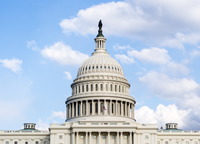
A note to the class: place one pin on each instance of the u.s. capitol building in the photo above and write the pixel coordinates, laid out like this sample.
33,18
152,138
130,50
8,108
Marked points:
100,111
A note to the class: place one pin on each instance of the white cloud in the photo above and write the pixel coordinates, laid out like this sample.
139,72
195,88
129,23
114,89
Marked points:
177,68
42,125
118,47
186,92
32,44
13,64
153,55
68,75
63,54
144,19
180,39
194,53
124,59
58,114
162,115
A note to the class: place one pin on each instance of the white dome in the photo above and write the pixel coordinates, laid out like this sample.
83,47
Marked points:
100,63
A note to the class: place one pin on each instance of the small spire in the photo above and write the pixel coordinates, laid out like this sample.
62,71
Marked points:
100,32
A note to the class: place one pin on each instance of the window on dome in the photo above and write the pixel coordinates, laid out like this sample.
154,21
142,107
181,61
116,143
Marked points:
78,108
119,88
79,89
83,69
101,87
93,67
15,142
118,69
105,67
89,68
86,68
106,87
115,88
115,68
91,87
122,89
111,87
82,88
100,67
96,67
96,87
108,67
86,88
26,142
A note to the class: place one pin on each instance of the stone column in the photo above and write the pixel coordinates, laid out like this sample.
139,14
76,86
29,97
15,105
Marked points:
98,107
81,106
130,138
99,138
125,109
121,138
87,108
108,137
134,138
133,111
76,108
93,109
104,111
110,107
117,137
77,138
116,107
72,109
86,137
67,112
90,142
73,137
70,114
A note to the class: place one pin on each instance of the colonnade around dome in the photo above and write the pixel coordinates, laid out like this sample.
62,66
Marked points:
100,86
100,107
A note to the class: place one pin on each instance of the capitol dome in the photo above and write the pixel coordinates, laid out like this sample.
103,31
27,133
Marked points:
100,91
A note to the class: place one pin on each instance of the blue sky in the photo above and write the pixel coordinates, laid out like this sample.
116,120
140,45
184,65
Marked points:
43,43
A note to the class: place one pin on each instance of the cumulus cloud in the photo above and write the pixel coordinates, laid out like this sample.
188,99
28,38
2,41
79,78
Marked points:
118,47
177,68
195,53
63,54
13,64
32,44
124,59
42,125
58,114
141,19
164,114
186,92
181,39
68,75
153,55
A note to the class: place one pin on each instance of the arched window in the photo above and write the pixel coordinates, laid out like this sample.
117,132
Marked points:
26,142
82,88
106,87
115,88
96,87
111,89
91,87
86,88
96,67
122,89
119,88
101,87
